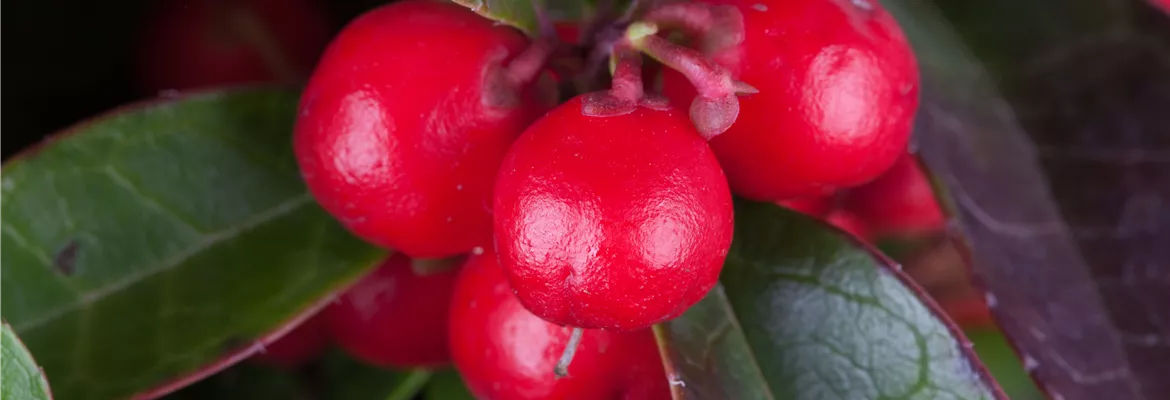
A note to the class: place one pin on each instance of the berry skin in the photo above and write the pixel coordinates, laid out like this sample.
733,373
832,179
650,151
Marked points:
403,125
395,316
968,312
305,342
193,44
838,89
1163,4
504,352
848,222
901,201
614,222
811,206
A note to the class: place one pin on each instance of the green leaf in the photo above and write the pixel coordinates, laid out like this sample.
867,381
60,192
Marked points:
517,13
1005,366
447,385
20,378
145,245
804,312
521,15
1049,134
349,379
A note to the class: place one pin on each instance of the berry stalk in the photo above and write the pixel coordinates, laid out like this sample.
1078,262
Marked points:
562,368
716,107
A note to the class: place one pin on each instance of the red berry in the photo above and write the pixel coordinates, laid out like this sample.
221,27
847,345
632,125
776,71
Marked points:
614,222
838,89
901,201
505,352
969,312
811,206
568,32
192,44
1163,4
404,123
395,316
305,342
848,222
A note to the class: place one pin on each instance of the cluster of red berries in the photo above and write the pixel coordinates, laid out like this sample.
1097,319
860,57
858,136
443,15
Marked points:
435,132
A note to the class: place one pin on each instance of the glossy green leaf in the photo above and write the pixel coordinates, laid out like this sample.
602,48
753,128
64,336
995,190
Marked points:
447,385
517,13
995,352
20,377
1049,134
806,313
521,14
165,239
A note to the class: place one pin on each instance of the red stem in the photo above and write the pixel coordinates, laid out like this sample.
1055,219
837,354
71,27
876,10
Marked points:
627,74
694,19
528,65
710,80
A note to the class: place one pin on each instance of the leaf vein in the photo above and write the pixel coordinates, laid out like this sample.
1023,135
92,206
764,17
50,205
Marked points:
206,242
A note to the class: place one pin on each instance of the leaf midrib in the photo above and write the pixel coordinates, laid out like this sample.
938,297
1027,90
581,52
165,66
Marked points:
207,241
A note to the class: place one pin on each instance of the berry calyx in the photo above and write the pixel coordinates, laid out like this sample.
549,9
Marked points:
397,315
406,119
900,202
297,347
194,44
503,351
838,90
616,222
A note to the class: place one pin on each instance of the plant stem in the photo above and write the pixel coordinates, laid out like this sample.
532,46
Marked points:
562,368
528,65
626,64
709,79
694,19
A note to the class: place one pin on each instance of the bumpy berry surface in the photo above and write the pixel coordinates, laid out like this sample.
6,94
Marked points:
901,201
404,123
305,342
838,88
189,44
504,352
396,316
612,222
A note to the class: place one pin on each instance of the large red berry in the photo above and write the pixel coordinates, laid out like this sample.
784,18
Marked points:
396,316
192,44
504,352
404,123
838,89
901,201
613,222
305,342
